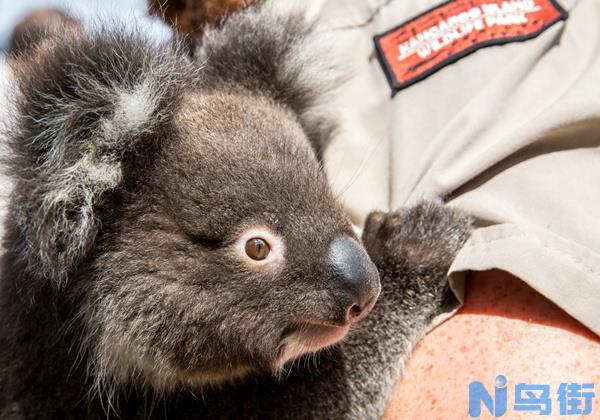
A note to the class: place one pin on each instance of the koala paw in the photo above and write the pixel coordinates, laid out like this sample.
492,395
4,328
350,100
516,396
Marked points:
427,235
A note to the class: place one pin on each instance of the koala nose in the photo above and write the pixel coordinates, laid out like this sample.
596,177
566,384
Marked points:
356,278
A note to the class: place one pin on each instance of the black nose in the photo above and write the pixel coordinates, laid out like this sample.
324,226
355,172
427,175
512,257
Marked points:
356,278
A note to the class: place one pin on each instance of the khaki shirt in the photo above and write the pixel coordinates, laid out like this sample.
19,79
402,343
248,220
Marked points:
509,133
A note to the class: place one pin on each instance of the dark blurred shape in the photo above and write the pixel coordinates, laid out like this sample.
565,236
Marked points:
36,27
190,16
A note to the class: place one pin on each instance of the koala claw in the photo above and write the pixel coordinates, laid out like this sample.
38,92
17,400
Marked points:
425,235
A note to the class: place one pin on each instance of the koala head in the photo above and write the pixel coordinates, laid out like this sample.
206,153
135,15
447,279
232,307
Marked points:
180,206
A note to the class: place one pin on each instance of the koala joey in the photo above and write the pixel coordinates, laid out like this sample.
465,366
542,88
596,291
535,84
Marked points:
173,249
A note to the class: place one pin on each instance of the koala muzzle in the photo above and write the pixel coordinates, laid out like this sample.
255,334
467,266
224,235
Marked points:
356,278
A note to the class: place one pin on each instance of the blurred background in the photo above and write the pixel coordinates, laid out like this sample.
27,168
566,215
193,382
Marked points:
24,22
158,17
87,11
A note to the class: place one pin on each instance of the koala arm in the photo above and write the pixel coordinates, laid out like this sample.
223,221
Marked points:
413,249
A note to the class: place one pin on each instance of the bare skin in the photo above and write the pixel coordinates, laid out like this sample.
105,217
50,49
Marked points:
505,328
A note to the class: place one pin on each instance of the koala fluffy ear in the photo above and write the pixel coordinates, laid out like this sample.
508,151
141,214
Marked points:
273,48
83,104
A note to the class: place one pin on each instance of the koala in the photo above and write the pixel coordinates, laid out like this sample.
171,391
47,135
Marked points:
173,248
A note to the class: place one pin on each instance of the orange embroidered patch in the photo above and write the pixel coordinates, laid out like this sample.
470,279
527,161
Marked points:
425,44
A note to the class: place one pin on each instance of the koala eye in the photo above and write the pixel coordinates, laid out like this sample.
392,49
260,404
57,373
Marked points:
257,249
260,248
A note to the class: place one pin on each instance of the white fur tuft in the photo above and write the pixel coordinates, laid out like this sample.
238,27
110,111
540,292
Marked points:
133,110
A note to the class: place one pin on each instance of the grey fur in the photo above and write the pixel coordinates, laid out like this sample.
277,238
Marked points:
69,135
136,169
